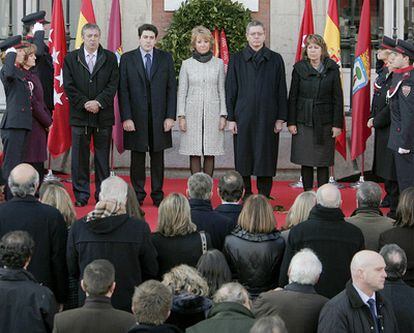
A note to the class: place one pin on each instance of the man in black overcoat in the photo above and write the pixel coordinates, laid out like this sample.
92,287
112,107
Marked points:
148,98
401,99
361,307
396,290
380,119
33,25
256,99
44,223
90,79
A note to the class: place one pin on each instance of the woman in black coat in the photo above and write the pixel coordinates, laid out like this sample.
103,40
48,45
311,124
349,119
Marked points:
254,250
177,240
315,116
16,122
36,147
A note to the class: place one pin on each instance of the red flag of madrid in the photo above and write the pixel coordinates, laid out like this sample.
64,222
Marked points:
306,29
59,139
361,86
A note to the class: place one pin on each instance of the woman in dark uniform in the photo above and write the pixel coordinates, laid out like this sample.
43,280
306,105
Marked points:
36,146
380,119
17,120
315,116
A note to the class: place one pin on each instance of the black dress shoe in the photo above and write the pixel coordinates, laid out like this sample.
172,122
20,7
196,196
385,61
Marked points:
156,203
80,203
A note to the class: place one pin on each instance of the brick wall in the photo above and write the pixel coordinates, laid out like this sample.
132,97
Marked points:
162,19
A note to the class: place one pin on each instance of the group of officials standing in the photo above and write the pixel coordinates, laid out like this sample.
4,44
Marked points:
252,100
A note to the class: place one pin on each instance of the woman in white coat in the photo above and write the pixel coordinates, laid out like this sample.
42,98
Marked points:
201,108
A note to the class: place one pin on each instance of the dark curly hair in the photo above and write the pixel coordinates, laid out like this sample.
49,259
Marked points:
16,247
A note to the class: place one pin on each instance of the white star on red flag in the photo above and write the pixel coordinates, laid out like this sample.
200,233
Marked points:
60,78
57,97
55,55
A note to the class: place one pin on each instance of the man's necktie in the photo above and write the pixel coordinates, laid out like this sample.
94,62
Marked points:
91,64
371,303
148,64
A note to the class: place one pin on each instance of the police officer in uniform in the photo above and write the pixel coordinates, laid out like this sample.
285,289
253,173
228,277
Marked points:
401,99
17,120
380,119
33,26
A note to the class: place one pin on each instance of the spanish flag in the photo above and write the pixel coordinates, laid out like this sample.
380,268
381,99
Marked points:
332,37
86,15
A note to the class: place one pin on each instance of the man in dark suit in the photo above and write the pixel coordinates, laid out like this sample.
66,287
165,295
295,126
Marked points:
332,239
44,223
147,94
396,290
90,78
360,307
25,305
97,315
17,120
199,191
297,303
401,100
230,190
33,26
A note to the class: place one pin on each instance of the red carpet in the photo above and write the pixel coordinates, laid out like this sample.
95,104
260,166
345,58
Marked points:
284,195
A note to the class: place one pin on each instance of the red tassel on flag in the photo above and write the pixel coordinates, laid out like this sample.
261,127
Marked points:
224,49
216,46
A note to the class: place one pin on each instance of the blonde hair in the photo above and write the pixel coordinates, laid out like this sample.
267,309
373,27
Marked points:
184,278
203,32
174,216
58,197
300,209
257,215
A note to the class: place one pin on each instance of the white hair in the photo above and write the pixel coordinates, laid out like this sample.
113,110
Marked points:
114,188
328,196
305,267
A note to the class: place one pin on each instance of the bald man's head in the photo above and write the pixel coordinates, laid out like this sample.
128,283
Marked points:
23,180
328,196
368,271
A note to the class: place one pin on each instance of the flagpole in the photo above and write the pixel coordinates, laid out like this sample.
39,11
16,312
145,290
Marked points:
298,184
50,176
112,172
332,179
361,177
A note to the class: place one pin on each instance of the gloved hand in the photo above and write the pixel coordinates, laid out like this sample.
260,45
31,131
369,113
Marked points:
403,151
38,27
11,49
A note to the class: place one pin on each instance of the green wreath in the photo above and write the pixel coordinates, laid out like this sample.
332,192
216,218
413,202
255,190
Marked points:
233,17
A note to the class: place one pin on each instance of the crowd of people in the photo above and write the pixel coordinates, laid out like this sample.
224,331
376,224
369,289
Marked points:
226,268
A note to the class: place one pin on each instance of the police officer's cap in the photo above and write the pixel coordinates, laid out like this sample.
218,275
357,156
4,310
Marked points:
405,47
32,18
388,43
13,41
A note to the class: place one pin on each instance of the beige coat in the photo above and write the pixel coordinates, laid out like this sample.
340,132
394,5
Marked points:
201,99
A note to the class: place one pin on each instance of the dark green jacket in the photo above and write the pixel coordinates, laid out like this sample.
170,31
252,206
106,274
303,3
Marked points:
225,317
